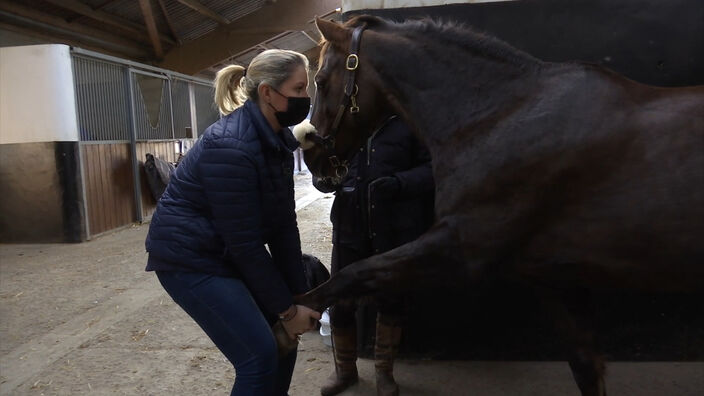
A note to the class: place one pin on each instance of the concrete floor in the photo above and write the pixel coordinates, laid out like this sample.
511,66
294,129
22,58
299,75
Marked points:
86,319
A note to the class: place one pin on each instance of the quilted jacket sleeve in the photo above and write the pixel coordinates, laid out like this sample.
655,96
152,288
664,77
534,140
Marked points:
285,248
229,176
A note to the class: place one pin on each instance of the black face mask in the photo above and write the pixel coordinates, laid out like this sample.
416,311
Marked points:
296,111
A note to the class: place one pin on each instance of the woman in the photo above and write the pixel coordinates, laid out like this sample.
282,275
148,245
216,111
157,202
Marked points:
231,195
384,201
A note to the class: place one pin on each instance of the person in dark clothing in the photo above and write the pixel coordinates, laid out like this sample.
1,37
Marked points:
384,201
231,197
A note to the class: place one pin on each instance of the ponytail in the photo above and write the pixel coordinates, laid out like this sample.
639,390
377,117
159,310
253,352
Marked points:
228,89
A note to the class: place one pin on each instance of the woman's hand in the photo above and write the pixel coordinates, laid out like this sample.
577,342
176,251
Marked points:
302,320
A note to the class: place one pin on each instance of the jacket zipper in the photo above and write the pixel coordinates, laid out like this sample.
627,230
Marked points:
369,186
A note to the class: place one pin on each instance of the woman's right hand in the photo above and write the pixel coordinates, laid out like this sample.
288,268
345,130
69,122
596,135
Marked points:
304,320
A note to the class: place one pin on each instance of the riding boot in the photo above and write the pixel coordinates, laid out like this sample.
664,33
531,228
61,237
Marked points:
344,342
388,337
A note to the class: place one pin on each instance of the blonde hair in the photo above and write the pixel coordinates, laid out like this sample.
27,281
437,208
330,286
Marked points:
272,67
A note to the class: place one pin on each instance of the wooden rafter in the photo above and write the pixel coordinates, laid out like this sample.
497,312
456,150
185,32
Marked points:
257,27
76,29
169,23
204,10
151,26
102,16
316,42
104,4
81,41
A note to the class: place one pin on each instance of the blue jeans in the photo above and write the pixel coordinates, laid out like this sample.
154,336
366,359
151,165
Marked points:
226,311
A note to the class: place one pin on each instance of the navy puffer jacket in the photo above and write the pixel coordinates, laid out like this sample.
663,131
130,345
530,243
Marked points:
230,195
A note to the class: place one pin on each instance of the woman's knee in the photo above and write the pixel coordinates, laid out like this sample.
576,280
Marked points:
261,365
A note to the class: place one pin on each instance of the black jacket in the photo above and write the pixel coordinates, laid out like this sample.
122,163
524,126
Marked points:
231,195
373,221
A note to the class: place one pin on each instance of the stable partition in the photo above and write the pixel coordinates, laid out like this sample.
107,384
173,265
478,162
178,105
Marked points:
75,127
109,190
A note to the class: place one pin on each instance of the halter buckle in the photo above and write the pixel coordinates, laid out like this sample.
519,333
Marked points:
352,62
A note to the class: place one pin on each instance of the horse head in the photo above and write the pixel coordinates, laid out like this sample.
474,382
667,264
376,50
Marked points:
349,103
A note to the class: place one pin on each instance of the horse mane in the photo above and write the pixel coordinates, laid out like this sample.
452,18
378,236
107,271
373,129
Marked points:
451,32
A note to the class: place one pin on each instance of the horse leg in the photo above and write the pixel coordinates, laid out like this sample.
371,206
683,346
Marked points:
574,320
429,261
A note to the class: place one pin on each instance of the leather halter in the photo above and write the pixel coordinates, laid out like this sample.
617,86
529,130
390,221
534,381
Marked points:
351,89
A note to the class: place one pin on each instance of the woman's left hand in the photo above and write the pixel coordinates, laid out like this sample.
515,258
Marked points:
304,320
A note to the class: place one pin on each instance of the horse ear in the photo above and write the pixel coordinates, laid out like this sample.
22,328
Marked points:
331,31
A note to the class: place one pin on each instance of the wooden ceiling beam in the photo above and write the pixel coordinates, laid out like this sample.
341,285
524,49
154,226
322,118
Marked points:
102,16
244,33
56,36
75,29
169,23
104,4
195,5
151,27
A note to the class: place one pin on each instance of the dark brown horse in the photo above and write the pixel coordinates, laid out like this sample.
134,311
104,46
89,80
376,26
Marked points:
561,176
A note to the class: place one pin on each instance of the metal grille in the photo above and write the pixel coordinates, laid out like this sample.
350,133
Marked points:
206,111
101,100
152,107
182,109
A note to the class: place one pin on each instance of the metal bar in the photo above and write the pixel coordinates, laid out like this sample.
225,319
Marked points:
156,140
194,113
133,148
91,142
145,73
171,109
81,165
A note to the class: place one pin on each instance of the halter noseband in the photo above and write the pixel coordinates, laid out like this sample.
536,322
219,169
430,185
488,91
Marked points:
351,90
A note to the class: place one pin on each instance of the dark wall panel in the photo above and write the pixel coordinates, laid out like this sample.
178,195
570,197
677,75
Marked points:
40,199
651,41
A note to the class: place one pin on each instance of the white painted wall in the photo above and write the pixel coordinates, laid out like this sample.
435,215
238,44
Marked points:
351,5
36,94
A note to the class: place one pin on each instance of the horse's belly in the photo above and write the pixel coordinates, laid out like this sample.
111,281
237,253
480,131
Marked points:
608,255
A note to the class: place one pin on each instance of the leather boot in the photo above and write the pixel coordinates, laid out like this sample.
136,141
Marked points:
388,338
344,344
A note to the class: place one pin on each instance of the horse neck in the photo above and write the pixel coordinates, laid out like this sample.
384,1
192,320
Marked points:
465,86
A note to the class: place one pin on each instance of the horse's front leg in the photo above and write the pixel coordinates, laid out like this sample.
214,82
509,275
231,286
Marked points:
574,319
429,261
